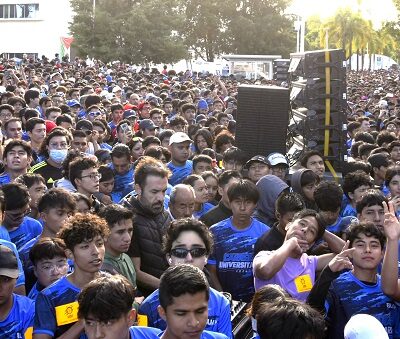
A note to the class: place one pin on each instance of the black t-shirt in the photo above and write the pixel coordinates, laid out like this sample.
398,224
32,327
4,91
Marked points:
271,240
48,172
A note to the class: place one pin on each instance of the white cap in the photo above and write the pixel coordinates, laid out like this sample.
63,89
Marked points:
179,137
364,326
116,89
276,159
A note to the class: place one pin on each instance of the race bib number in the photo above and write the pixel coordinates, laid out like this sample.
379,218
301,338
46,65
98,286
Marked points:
303,283
67,314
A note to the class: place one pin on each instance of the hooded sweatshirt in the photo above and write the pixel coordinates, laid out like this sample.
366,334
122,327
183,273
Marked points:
269,187
296,186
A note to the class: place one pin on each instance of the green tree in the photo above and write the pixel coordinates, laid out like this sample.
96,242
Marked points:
260,27
130,31
314,25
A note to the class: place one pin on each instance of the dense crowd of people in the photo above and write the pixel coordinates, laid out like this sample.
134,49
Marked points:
129,211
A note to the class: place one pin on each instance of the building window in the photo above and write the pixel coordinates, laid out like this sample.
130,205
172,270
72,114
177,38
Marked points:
19,11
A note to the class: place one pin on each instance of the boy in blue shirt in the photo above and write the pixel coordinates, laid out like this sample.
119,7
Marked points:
105,307
20,227
358,290
230,263
184,294
16,312
355,185
180,166
56,306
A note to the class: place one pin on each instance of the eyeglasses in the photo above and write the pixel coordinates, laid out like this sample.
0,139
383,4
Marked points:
92,176
183,252
5,115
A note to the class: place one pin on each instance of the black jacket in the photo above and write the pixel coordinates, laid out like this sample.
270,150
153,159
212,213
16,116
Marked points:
148,231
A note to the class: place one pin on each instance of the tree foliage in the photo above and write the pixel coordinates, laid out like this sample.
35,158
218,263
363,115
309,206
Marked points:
130,31
142,31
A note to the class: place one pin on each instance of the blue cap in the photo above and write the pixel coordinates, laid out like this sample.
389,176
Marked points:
73,102
202,104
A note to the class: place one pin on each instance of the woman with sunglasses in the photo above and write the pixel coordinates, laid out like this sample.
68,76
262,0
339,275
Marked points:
188,241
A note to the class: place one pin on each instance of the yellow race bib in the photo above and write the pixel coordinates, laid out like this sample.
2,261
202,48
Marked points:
67,314
28,333
303,283
142,320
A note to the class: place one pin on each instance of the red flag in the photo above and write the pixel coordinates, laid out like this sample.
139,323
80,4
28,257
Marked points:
67,41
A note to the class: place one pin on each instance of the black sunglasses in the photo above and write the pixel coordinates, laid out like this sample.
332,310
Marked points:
183,252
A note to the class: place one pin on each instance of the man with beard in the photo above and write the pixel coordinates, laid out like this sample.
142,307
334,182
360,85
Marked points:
150,221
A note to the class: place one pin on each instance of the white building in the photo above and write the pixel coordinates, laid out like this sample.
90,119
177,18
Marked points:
34,27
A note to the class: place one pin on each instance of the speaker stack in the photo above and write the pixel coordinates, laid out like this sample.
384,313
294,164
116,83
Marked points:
262,119
319,104
281,69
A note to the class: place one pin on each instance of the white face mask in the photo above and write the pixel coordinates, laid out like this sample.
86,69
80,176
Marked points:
58,155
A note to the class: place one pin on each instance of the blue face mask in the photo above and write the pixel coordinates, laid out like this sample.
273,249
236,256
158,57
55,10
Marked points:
58,155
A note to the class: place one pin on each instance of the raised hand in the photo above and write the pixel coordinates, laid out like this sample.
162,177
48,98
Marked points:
391,224
342,260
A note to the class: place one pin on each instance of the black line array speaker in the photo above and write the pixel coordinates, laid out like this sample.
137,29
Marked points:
262,119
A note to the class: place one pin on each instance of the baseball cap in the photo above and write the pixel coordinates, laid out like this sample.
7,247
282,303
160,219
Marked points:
257,158
276,159
129,113
116,89
73,102
364,326
200,118
8,263
202,104
147,124
179,137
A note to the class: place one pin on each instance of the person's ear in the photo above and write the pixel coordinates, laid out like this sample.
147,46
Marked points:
43,216
277,216
168,259
77,182
220,191
138,189
35,270
162,313
131,317
351,196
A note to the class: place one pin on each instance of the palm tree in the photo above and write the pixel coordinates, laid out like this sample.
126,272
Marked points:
344,28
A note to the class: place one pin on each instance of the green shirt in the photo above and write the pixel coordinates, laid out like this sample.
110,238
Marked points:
122,264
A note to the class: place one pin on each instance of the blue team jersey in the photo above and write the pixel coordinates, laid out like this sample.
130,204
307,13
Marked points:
33,293
29,229
179,172
106,146
349,211
140,332
219,318
19,320
56,308
21,275
348,296
204,209
233,256
341,224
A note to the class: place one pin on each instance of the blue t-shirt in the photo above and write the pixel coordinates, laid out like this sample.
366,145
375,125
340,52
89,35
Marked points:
123,184
208,335
20,318
349,211
141,332
21,275
60,293
30,228
106,146
4,234
341,224
179,172
204,209
233,256
219,318
348,296
4,178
